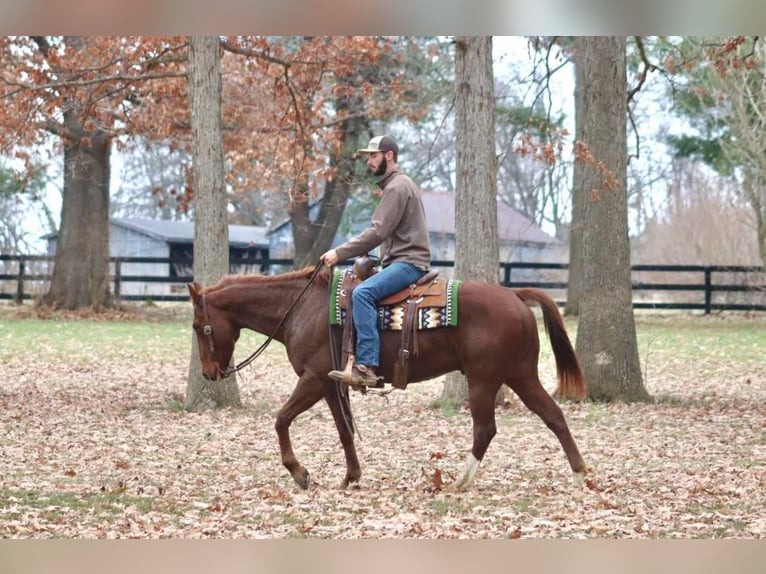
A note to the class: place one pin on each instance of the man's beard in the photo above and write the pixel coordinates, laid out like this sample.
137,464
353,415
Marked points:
381,168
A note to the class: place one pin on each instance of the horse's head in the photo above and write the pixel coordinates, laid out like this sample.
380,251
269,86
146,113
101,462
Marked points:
216,335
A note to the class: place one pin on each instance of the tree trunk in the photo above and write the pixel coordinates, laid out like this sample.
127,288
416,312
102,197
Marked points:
761,231
80,275
606,337
755,192
476,244
311,239
81,268
211,232
575,278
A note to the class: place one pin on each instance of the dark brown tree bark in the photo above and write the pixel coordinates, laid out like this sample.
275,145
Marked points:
476,250
606,337
575,279
211,232
312,238
80,275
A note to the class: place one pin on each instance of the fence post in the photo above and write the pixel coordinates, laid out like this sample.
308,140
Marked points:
507,277
117,274
20,284
708,290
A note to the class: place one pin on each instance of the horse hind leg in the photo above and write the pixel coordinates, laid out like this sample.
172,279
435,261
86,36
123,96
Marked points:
482,404
535,397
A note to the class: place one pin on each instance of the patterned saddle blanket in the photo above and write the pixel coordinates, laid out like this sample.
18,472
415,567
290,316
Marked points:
436,303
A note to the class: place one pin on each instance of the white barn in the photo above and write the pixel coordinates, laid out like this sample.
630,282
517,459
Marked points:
157,238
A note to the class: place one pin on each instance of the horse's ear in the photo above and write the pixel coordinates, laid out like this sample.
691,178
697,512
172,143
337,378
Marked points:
194,289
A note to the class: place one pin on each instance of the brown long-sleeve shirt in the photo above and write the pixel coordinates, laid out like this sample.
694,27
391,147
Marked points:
398,226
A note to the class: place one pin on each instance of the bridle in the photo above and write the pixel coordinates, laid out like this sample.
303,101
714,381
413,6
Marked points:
207,328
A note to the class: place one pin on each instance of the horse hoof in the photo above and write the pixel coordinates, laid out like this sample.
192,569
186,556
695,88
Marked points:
349,479
304,480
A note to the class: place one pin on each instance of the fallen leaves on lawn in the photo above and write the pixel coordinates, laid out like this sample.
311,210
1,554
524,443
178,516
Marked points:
99,449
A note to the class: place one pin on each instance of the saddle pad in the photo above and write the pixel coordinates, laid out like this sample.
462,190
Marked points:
391,317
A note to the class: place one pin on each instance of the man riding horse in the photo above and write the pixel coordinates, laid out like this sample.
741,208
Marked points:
399,226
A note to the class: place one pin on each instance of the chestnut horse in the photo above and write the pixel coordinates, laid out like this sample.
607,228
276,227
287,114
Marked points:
495,342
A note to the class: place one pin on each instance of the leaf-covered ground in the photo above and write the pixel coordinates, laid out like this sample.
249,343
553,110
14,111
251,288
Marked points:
95,445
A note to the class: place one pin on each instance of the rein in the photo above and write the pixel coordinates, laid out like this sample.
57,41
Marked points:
345,405
207,330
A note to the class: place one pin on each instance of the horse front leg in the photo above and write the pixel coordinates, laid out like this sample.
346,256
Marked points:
337,400
306,394
482,404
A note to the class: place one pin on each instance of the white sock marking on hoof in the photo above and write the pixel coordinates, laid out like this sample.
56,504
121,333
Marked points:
465,479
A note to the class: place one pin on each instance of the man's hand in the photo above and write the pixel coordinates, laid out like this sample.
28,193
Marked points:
330,258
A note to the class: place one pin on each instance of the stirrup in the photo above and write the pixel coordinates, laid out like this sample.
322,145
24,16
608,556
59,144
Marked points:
353,380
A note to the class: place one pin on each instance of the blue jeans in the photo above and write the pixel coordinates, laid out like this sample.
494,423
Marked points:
366,295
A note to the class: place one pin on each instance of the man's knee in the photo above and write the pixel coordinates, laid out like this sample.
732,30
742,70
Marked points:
361,294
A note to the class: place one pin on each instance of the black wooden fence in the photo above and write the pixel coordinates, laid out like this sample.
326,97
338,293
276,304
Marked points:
706,288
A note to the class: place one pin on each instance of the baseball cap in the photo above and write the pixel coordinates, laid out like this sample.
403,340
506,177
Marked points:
381,144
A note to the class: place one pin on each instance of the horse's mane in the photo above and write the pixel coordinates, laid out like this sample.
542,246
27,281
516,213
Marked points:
322,278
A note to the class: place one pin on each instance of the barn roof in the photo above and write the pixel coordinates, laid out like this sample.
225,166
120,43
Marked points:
512,226
183,231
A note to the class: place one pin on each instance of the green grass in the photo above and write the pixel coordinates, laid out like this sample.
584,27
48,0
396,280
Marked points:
733,338
450,506
525,506
56,503
729,339
457,506
449,411
84,339
600,414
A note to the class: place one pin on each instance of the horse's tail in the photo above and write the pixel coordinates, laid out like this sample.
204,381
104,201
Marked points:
571,382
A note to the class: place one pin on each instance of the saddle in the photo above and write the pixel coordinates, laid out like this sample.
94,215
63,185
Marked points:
429,290
407,310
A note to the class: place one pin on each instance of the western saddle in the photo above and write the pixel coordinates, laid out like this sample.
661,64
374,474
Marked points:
428,291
